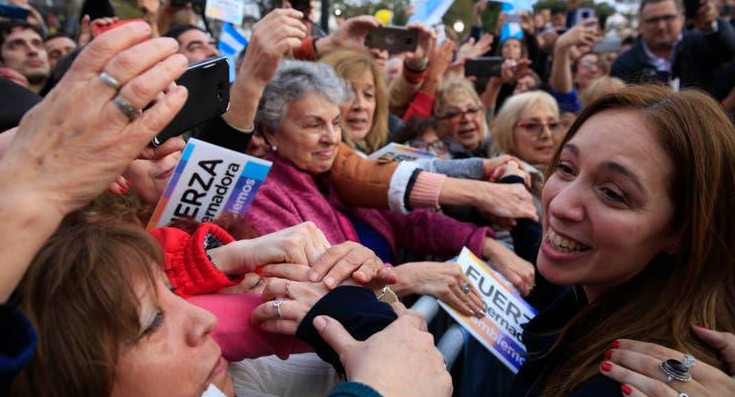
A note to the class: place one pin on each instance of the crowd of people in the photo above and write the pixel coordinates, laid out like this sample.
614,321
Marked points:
599,183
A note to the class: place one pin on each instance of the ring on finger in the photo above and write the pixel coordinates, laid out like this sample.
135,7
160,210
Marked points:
466,287
277,307
676,370
110,81
126,108
683,395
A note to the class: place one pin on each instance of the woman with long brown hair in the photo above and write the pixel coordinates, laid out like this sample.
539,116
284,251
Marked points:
638,218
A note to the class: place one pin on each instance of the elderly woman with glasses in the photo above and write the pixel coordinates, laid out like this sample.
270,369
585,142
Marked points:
299,114
461,119
528,127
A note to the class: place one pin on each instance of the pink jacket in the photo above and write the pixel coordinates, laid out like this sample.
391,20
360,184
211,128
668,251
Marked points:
290,196
234,333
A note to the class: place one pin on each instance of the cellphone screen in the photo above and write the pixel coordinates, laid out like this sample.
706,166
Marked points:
484,67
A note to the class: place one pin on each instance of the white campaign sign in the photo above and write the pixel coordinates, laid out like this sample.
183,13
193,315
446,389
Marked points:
500,330
208,182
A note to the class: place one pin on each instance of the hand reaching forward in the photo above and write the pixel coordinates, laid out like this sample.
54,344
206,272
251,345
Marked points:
400,361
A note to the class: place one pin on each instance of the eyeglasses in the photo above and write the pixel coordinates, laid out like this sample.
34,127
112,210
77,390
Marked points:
538,128
589,65
454,115
436,146
664,18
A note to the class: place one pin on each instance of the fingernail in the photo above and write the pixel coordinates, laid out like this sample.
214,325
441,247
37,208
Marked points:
313,276
606,366
259,271
608,354
329,281
128,183
320,322
615,345
626,390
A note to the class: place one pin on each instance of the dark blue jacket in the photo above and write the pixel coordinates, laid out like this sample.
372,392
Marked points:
17,344
696,59
539,336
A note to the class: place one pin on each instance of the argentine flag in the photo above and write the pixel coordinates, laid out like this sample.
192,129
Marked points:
231,42
512,29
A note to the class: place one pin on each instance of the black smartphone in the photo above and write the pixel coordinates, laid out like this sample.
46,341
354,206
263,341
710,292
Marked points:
393,38
208,83
691,7
302,5
484,67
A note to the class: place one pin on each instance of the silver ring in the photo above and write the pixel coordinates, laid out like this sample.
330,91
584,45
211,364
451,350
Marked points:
126,108
110,81
277,306
675,370
683,395
465,287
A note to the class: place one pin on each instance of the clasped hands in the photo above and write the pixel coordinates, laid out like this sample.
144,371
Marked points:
301,266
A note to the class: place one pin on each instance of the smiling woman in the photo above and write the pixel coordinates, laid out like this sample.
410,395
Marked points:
638,217
461,119
300,117
528,127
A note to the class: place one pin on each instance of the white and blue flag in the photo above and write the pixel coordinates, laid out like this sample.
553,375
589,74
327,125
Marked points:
231,42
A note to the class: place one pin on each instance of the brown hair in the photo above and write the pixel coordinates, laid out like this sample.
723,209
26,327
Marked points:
78,294
694,286
347,63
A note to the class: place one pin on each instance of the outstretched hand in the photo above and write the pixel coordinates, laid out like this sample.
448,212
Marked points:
400,361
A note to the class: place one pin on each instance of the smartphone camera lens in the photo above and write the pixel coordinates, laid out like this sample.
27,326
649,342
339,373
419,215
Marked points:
390,39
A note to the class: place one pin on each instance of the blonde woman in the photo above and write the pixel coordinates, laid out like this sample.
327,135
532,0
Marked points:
461,119
365,118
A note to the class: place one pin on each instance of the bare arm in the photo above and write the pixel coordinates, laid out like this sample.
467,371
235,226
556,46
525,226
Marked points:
58,163
279,31
561,79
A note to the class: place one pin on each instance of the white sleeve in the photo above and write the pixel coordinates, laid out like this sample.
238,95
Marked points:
398,184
